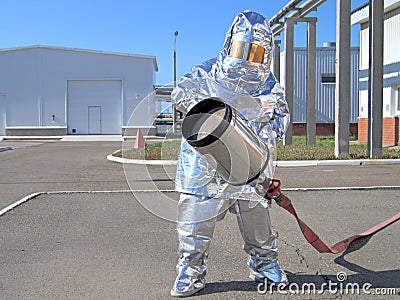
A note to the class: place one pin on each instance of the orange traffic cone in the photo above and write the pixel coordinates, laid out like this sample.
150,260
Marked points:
139,141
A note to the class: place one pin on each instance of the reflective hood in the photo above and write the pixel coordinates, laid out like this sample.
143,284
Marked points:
247,49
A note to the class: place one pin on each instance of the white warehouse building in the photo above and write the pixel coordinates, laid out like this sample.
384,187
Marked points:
391,71
57,91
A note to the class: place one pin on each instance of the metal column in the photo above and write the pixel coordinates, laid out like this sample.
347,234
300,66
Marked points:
277,59
311,80
174,112
343,73
289,74
375,76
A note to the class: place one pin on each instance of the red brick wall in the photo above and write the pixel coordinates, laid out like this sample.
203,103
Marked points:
363,130
390,131
322,128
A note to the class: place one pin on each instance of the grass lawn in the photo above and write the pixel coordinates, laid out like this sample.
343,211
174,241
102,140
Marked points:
324,149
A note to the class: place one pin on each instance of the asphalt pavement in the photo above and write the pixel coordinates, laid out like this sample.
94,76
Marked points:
87,236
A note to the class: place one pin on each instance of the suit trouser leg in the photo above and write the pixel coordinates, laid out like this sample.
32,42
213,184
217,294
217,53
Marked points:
197,216
259,241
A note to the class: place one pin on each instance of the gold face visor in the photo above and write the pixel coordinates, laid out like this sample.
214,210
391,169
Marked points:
255,53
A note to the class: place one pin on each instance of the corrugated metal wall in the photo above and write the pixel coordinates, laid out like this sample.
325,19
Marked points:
391,40
325,93
391,61
392,37
355,60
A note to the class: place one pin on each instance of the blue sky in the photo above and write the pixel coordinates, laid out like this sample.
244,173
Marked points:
145,27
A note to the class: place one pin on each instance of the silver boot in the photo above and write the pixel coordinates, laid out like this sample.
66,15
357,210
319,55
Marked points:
264,269
189,281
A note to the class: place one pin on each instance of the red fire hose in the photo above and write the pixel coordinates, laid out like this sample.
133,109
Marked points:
274,192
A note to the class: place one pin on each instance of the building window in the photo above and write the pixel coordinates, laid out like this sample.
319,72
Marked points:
328,78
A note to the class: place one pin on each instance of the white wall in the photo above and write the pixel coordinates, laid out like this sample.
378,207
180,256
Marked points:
19,81
3,111
391,61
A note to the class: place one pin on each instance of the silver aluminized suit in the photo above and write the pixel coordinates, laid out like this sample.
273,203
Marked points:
253,91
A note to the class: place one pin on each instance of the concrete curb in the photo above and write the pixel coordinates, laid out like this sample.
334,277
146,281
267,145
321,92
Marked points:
353,162
294,163
141,162
31,138
84,138
5,149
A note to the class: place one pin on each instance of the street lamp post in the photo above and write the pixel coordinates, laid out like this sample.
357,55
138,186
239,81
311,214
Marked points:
173,103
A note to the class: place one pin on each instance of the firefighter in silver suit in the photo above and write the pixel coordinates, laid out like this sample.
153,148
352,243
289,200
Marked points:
243,66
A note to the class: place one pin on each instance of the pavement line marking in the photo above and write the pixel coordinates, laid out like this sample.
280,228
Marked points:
23,200
279,163
34,195
343,188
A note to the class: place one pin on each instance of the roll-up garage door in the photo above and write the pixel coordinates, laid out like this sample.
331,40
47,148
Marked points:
94,106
